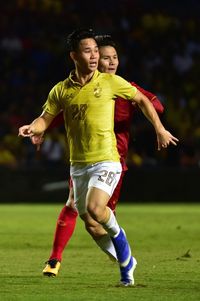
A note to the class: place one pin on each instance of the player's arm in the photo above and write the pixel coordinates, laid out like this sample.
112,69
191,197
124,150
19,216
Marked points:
38,126
164,138
152,97
38,139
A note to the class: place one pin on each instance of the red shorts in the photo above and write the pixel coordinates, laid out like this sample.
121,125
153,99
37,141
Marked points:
115,196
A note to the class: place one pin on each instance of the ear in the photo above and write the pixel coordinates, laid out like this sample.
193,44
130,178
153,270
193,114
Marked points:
72,55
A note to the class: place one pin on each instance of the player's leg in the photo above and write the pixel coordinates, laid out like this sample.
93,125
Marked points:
81,179
102,184
65,226
103,239
64,230
127,263
100,236
102,179
125,276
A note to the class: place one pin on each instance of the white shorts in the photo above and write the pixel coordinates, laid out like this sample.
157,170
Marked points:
102,175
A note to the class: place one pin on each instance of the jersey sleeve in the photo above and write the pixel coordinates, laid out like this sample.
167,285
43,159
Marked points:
52,104
152,97
122,88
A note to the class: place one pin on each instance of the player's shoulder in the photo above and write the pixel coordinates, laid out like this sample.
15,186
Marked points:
111,77
106,75
62,84
59,84
58,89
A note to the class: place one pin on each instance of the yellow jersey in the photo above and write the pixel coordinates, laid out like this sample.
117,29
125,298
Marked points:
89,115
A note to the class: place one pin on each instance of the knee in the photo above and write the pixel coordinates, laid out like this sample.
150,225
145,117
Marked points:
96,212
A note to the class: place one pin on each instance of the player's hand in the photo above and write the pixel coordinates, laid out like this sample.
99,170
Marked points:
165,138
25,131
37,140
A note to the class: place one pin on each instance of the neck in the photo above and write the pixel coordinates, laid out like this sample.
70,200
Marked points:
83,78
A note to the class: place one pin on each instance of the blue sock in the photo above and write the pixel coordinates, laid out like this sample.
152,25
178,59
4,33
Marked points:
122,247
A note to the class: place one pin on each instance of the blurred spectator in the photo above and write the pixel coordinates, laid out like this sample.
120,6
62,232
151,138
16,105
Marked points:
7,159
53,149
159,49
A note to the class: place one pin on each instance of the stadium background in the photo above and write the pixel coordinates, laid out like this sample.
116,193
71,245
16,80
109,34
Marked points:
159,45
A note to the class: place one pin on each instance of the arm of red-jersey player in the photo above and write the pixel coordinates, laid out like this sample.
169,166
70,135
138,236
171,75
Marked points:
152,97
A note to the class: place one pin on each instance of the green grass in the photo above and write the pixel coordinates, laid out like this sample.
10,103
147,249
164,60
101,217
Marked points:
160,236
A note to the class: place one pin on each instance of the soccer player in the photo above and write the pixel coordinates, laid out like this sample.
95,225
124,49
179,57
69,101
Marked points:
124,111
86,98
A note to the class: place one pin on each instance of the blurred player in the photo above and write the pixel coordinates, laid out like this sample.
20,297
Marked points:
93,184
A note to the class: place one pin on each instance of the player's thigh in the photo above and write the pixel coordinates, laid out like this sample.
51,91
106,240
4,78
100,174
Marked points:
96,199
94,184
104,176
80,180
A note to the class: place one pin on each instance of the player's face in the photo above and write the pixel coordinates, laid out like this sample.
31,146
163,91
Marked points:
87,56
108,61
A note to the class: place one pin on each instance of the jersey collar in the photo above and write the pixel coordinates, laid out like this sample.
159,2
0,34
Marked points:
74,82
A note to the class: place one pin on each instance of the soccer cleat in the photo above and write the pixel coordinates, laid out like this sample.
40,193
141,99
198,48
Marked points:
52,268
127,278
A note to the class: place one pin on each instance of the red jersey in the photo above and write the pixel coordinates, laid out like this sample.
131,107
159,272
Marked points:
124,110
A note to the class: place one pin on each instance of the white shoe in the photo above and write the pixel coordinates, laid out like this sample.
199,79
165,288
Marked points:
127,278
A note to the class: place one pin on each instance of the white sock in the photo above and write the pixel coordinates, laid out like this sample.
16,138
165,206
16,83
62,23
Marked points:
106,244
112,226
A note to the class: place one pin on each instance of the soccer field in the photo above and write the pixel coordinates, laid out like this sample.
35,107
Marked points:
165,239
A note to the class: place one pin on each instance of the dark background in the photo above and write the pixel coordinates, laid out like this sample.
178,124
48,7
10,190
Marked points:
159,49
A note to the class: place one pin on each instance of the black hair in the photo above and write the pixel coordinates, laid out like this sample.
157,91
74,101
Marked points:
74,38
105,40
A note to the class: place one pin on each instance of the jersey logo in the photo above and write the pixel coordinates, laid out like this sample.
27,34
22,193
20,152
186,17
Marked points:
78,112
97,90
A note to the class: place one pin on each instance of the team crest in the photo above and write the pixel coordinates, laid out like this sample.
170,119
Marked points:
97,90
68,97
